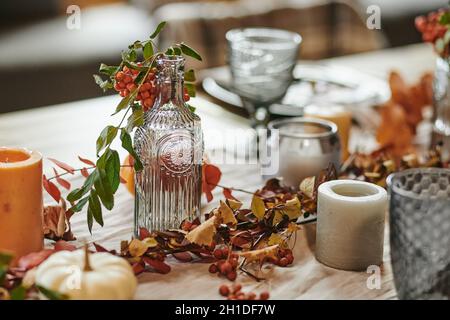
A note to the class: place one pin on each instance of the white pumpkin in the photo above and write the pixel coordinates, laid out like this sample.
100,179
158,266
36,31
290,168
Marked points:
83,276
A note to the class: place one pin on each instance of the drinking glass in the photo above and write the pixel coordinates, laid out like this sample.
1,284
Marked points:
420,232
261,63
305,147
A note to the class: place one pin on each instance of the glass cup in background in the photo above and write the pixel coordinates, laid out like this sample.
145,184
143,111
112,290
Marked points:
420,232
306,147
261,62
337,114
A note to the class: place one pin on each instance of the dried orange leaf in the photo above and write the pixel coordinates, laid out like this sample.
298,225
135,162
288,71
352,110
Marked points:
274,239
226,214
307,186
137,248
277,218
260,254
292,209
234,204
150,242
55,222
203,235
292,227
258,207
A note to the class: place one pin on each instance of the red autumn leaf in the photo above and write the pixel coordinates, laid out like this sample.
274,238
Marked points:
85,172
210,178
34,259
159,266
87,161
62,165
61,245
51,188
138,268
227,194
100,248
143,233
64,183
183,256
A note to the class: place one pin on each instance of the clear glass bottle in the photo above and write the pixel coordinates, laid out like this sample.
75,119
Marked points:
170,145
441,116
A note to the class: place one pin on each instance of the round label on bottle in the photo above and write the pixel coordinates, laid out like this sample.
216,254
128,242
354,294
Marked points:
176,152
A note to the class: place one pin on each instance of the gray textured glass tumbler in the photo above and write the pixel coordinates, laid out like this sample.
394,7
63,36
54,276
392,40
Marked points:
420,232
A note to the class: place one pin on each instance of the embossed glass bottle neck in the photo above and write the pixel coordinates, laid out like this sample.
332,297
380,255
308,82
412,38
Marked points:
170,81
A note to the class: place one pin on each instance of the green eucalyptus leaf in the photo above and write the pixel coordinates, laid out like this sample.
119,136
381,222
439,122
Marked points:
444,19
104,84
108,70
3,271
128,145
90,220
190,87
136,45
148,50
134,66
191,108
104,190
79,205
177,51
95,208
125,102
136,119
158,29
189,75
110,162
76,194
106,137
190,52
132,55
170,51
18,293
51,294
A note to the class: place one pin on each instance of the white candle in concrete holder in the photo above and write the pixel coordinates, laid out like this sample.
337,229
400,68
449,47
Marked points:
350,224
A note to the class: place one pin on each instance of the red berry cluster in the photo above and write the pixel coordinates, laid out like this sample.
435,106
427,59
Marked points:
283,258
430,27
226,264
126,83
234,293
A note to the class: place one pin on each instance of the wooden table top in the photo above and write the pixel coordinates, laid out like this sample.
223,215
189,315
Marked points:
70,129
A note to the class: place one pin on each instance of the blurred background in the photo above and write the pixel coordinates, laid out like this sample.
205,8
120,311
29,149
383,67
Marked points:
42,62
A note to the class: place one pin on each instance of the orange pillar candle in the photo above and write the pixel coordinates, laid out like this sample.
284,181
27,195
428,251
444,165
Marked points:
337,114
20,201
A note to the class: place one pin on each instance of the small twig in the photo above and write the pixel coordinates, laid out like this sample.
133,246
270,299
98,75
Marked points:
251,274
87,264
87,168
306,221
235,189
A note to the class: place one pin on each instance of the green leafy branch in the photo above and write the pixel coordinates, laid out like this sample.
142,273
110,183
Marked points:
98,189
